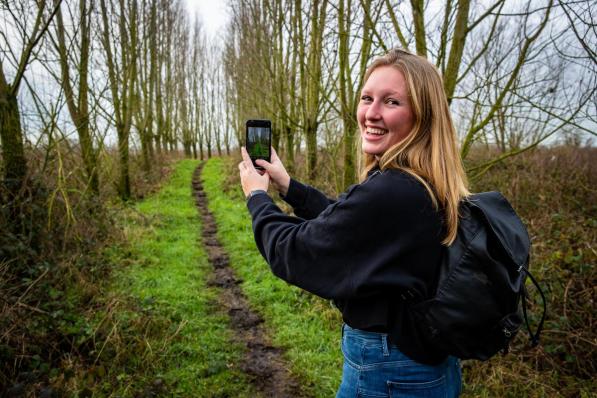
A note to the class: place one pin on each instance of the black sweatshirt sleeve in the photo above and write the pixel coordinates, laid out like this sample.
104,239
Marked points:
357,246
306,201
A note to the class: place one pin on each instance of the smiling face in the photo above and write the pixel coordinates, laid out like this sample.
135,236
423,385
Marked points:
384,113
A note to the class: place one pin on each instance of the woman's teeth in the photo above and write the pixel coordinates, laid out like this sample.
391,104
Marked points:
376,131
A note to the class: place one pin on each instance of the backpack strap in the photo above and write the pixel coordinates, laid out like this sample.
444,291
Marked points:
524,295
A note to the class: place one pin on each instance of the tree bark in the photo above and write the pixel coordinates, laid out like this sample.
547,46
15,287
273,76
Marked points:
13,150
79,108
456,49
418,9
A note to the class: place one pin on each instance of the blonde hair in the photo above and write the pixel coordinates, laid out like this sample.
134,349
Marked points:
429,152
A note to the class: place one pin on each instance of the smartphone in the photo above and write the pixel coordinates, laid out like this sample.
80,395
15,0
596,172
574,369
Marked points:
259,140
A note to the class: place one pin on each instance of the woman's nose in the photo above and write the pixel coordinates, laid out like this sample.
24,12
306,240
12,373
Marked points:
373,111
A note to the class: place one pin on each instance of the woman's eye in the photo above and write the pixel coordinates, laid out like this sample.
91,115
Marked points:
392,101
365,98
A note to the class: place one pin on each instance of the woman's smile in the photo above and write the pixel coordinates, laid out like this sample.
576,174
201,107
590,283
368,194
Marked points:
376,131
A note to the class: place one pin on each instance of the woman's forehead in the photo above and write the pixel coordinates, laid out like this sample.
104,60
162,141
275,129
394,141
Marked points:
385,87
383,90
386,76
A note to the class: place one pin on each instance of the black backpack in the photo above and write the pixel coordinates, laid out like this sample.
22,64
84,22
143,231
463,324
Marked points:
475,310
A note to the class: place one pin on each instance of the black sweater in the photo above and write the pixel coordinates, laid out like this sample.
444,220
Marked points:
376,245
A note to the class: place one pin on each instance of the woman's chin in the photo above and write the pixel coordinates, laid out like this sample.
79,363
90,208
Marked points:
369,149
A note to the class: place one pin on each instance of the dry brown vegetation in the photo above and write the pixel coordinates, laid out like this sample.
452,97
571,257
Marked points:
554,191
51,269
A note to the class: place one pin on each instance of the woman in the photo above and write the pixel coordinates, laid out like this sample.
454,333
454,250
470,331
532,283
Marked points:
378,247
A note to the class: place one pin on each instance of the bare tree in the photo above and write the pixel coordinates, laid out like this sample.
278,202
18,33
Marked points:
351,73
77,102
145,82
121,60
311,81
11,134
197,87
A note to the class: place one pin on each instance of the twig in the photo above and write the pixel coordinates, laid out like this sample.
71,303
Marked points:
31,285
170,338
32,308
566,297
570,333
105,342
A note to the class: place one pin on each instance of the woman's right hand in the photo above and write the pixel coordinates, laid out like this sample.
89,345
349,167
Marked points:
277,173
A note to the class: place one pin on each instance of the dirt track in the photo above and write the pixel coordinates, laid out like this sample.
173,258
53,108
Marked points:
262,362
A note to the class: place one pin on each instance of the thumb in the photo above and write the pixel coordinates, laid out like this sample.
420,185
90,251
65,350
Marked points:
274,155
246,157
264,163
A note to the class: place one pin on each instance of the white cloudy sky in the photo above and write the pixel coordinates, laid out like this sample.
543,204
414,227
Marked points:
212,12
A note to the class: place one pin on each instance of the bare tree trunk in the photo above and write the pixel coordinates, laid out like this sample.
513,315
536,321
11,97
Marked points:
313,87
418,9
13,150
121,78
456,48
145,84
11,134
79,108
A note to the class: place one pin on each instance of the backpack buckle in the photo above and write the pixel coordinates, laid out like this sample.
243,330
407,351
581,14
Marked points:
407,295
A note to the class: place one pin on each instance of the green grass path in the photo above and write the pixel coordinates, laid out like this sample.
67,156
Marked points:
306,326
186,342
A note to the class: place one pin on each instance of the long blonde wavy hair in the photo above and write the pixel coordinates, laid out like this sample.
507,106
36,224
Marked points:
429,152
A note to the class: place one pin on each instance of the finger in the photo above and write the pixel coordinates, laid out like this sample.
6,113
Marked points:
274,154
263,163
245,155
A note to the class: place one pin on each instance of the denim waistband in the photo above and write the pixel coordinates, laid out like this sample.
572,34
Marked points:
371,339
368,337
364,334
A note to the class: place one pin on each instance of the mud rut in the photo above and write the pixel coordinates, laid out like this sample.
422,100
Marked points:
263,363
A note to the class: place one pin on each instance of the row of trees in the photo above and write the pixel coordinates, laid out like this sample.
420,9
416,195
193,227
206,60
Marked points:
133,74
139,75
515,73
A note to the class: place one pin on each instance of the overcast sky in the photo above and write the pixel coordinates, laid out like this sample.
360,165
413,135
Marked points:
212,12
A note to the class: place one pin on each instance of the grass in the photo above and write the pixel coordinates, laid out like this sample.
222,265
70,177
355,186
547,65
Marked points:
306,326
160,331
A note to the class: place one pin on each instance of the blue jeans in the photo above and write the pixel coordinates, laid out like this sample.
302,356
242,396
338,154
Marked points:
374,368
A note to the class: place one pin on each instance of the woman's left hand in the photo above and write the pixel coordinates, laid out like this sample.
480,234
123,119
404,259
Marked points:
250,178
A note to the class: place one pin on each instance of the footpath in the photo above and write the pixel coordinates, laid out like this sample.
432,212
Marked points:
168,335
191,309
306,327
262,361
178,323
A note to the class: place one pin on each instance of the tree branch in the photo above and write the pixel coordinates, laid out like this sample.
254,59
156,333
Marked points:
29,48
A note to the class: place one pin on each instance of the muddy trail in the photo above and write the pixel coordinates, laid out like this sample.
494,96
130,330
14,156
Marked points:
262,362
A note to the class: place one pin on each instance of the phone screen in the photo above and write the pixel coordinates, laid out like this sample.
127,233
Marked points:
259,135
